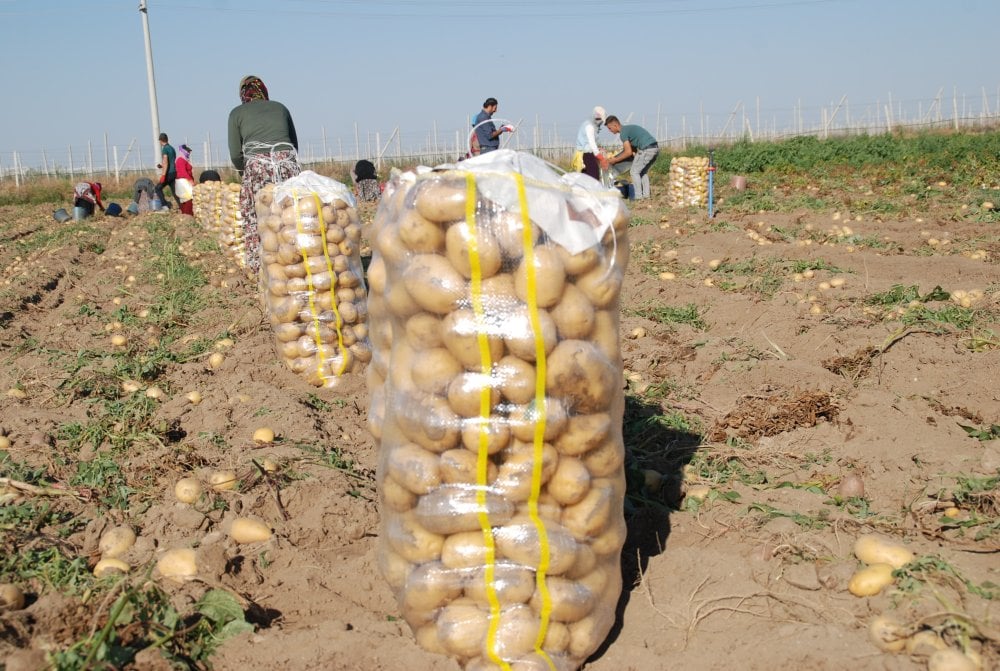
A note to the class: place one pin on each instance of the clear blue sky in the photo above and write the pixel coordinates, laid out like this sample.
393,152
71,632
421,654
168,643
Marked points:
74,70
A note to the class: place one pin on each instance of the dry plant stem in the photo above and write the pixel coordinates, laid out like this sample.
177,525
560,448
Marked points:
275,492
39,491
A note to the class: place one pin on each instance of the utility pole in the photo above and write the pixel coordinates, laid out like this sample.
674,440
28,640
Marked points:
153,110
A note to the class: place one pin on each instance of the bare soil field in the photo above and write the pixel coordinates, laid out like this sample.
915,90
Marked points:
794,378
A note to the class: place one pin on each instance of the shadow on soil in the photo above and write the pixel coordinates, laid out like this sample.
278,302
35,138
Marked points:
650,443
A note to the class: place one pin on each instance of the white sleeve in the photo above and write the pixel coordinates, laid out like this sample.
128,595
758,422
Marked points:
592,138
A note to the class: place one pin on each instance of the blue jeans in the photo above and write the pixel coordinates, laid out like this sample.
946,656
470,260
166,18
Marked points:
638,168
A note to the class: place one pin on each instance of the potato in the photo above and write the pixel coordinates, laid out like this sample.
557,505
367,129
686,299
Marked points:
399,301
570,482
451,509
433,283
512,583
582,262
423,331
464,550
465,393
870,580
460,332
441,200
524,418
581,373
413,467
434,370
462,628
11,597
488,433
514,479
427,638
587,634
414,543
249,530
605,460
459,245
570,600
430,586
573,315
601,286
178,565
459,466
393,568
223,481
583,433
923,643
522,334
116,541
611,541
397,497
592,515
951,660
605,334
110,566
518,541
516,632
428,421
419,234
549,277
876,549
516,379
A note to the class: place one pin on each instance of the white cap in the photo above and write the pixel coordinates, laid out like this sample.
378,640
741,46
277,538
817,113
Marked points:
600,114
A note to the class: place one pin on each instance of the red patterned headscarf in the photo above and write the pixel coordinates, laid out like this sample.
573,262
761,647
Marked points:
252,88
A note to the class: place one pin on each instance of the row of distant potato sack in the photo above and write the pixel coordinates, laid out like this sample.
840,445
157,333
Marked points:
312,278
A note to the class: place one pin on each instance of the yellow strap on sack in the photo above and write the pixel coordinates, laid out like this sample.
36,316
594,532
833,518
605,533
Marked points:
541,414
311,291
485,410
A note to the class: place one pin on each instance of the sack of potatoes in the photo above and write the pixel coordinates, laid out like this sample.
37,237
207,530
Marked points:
497,402
230,227
312,277
688,182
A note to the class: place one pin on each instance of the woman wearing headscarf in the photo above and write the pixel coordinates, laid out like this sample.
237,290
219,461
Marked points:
262,146
184,184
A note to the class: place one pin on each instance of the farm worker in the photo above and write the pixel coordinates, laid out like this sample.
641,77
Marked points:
262,146
366,181
87,195
588,157
637,156
168,166
184,185
143,192
486,132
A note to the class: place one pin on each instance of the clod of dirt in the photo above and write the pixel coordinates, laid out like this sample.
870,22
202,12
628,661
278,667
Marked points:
853,366
759,416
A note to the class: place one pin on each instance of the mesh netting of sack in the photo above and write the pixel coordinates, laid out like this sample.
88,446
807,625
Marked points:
496,398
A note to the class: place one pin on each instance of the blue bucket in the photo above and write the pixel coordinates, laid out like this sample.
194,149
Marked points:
61,215
79,213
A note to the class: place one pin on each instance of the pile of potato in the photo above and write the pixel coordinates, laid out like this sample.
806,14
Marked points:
496,389
312,277
688,182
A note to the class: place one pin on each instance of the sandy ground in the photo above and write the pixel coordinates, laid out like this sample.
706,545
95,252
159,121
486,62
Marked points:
772,407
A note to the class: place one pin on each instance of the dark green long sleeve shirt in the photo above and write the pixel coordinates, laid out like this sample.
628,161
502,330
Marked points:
264,121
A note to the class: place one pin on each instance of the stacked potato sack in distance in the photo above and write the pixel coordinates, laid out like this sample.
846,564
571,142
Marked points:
231,224
312,276
688,182
497,399
204,197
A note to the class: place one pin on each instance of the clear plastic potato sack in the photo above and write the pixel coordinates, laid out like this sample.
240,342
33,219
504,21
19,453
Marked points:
312,277
497,400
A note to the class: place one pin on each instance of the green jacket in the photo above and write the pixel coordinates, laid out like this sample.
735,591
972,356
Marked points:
264,121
